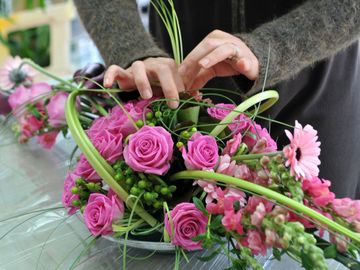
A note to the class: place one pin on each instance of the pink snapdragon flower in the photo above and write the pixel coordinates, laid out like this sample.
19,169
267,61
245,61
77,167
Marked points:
149,150
56,109
101,211
303,152
232,221
47,140
225,199
254,133
233,144
255,241
201,153
11,75
186,223
347,208
318,190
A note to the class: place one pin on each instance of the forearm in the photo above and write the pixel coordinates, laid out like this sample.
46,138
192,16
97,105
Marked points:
117,31
313,31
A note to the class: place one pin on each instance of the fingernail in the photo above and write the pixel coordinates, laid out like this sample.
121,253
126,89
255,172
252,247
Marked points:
106,82
173,104
204,62
147,94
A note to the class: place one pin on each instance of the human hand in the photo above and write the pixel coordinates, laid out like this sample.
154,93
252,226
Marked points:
219,54
142,74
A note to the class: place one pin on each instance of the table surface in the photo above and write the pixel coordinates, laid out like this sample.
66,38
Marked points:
31,179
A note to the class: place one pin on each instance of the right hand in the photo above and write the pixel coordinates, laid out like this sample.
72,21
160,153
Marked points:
141,75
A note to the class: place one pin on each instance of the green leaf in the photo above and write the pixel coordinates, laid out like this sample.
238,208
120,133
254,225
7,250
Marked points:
189,114
36,113
211,256
330,252
305,261
277,254
216,222
199,205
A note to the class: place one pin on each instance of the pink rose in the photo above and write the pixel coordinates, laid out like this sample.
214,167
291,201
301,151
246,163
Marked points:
68,197
101,211
202,152
347,208
119,121
85,170
149,150
109,145
97,126
56,109
188,222
47,140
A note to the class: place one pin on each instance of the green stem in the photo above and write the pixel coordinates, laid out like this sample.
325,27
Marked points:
271,96
270,194
105,171
255,156
45,72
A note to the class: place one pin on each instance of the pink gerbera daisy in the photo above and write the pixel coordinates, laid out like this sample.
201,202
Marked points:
303,152
11,75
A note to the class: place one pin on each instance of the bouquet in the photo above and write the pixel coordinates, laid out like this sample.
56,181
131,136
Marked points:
202,176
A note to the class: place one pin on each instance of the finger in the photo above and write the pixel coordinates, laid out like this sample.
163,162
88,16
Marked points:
201,79
168,85
141,79
222,53
248,67
124,77
190,66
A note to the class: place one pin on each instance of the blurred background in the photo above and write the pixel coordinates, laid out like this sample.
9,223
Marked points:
50,33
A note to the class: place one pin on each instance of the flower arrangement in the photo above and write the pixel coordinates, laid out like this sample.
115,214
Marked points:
203,176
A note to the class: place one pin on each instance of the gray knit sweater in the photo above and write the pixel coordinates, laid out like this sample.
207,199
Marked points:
311,32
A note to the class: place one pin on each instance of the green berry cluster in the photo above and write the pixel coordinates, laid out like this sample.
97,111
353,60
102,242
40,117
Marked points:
151,120
83,189
162,112
280,177
153,189
292,237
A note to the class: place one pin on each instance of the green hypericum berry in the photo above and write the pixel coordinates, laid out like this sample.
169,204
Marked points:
91,186
158,114
79,181
74,190
164,191
186,134
139,123
149,115
157,188
76,203
157,205
128,171
193,129
148,196
172,188
118,177
134,191
142,184
129,181
179,144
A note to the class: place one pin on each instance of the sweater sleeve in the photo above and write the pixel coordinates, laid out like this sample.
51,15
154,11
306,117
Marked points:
313,31
117,30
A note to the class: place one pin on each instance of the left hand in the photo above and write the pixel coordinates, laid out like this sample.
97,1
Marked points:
219,54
